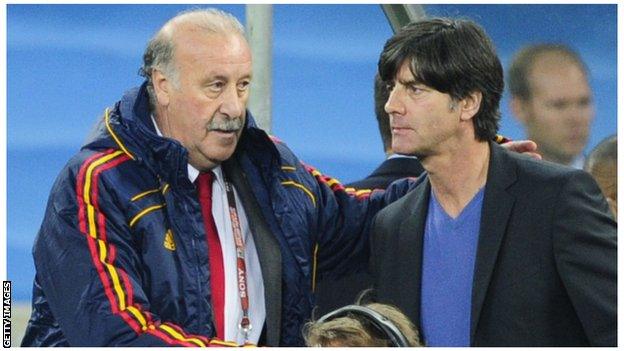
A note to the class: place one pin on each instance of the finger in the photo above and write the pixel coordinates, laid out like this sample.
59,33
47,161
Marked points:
526,146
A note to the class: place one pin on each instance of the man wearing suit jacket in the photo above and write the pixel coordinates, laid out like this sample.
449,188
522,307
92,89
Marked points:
491,248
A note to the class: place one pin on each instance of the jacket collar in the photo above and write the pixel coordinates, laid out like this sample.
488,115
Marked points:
497,205
411,234
128,126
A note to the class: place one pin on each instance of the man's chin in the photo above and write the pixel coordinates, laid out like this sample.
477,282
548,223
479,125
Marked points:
407,151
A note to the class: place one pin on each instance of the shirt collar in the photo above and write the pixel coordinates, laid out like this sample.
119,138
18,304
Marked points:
193,172
401,156
578,162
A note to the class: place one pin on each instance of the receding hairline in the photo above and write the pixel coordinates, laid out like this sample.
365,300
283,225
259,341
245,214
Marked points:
562,57
520,74
211,20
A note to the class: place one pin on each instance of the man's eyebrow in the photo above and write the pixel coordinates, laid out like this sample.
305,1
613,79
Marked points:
410,81
213,77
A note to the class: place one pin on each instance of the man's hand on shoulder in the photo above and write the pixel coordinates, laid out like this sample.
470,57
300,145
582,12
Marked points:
527,147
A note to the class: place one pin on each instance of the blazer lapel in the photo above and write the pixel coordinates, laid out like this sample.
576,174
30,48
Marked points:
497,206
269,252
409,250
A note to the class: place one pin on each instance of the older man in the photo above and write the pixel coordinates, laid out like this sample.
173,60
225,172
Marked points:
490,248
180,222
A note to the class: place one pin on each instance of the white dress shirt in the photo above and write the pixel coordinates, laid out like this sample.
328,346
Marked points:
255,284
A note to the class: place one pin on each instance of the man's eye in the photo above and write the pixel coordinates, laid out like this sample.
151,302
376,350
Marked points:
216,86
558,104
389,86
584,102
415,89
244,85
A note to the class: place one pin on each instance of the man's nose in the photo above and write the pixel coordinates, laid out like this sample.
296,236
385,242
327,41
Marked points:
233,104
394,105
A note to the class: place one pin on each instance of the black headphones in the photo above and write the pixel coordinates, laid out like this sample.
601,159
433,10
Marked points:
381,323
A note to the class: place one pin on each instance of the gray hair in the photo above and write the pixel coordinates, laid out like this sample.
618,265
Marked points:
159,53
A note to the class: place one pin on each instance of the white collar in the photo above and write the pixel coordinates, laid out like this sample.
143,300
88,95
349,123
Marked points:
578,162
401,156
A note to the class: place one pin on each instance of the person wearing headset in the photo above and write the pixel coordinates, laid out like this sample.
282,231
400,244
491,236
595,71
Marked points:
372,325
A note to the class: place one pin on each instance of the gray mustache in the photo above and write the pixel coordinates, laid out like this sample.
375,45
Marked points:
225,125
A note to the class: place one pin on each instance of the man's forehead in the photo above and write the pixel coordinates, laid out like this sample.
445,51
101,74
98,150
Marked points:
404,74
223,48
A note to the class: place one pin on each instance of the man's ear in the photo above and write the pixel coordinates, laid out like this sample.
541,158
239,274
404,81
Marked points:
470,105
162,87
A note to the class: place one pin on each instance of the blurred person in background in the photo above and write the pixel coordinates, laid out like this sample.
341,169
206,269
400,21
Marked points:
601,163
552,99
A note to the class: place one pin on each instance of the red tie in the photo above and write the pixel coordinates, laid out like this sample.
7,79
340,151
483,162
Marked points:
217,280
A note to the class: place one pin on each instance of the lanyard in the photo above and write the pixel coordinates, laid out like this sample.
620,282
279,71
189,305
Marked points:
241,269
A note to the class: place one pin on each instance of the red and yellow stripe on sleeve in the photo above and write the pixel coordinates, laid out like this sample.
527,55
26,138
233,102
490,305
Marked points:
335,185
117,286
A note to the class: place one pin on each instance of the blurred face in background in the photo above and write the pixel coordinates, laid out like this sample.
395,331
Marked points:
560,109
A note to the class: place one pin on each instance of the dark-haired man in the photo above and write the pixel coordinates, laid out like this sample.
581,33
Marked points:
490,248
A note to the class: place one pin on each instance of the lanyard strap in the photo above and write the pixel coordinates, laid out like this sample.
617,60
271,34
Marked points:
241,269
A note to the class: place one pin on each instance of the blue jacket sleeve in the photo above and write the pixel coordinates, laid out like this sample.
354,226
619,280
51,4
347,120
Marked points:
345,216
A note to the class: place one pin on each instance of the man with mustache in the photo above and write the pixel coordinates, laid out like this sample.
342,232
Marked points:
182,223
490,248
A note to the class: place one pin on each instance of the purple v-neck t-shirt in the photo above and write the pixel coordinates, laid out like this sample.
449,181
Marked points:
449,252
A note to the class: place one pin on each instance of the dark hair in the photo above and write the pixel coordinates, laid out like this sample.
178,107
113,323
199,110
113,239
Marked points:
523,60
454,57
381,97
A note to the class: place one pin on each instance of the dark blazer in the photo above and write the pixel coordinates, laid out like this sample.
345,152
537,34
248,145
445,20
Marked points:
545,270
332,293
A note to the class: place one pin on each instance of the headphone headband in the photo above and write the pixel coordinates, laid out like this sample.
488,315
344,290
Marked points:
397,339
